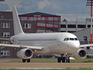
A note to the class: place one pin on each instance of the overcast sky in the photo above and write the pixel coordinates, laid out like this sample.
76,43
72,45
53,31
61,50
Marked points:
71,10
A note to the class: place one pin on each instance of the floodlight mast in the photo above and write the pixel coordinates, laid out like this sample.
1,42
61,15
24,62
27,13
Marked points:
90,3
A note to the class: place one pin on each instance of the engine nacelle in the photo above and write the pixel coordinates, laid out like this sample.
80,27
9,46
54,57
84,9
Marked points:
25,53
80,54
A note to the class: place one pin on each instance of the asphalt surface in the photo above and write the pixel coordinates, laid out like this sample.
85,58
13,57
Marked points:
4,63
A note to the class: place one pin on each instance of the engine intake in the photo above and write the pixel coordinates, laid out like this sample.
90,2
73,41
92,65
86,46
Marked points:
25,53
80,54
28,53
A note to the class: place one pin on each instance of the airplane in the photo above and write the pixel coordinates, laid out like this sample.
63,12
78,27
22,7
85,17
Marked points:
62,43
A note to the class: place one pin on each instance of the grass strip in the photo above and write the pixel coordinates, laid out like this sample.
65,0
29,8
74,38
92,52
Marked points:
55,60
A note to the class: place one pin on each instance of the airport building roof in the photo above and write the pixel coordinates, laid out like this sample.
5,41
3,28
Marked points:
38,14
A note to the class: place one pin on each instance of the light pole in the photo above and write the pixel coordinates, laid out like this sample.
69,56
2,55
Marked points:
90,3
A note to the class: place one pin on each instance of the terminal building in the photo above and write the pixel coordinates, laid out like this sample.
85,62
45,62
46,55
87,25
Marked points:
36,22
80,29
71,27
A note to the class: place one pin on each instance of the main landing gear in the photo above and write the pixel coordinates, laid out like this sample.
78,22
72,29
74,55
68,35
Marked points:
64,59
24,60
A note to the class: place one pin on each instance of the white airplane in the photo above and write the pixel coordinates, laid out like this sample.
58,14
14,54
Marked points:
43,43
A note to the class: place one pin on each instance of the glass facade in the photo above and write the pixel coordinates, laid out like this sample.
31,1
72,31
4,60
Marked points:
39,18
44,23
49,30
43,18
31,18
50,18
23,18
41,30
56,18
56,24
41,24
49,24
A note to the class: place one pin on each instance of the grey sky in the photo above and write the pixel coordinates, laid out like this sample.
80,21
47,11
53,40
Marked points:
71,10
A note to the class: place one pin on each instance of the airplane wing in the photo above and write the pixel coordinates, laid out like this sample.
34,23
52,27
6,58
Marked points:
22,46
7,39
90,54
86,45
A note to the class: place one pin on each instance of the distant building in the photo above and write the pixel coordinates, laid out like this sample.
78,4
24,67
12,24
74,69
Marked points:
71,27
80,29
44,22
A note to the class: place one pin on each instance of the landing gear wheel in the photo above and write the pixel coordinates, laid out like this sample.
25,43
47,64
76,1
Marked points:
63,59
59,59
23,60
68,60
28,60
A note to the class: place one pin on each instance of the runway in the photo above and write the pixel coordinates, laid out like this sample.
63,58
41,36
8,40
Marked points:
45,65
6,64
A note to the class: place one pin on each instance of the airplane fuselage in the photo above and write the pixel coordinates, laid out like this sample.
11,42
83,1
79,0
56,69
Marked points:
53,43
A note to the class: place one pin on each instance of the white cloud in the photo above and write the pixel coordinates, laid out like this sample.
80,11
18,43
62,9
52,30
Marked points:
48,6
74,17
43,4
11,3
27,8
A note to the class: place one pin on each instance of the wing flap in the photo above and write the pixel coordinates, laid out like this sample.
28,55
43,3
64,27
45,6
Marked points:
22,46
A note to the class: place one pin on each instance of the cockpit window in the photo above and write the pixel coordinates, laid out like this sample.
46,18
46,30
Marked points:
76,39
70,39
65,39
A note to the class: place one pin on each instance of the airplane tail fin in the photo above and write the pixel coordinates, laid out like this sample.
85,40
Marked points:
86,39
16,21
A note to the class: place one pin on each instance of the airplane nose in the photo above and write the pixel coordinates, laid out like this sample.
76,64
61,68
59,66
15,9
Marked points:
76,45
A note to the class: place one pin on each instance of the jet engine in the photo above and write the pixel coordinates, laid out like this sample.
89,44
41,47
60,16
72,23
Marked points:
80,54
25,53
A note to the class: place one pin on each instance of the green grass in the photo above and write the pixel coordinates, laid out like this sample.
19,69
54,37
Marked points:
37,60
55,60
52,69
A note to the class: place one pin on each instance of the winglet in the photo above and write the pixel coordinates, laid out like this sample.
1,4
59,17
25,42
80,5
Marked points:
16,21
